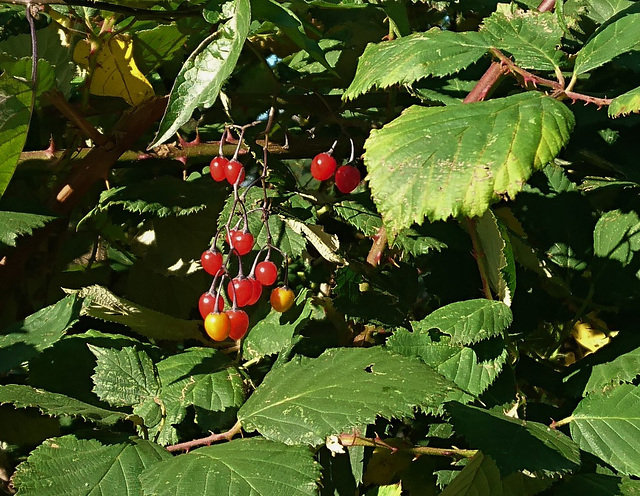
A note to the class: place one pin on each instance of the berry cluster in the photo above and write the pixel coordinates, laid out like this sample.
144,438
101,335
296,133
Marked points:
241,291
324,166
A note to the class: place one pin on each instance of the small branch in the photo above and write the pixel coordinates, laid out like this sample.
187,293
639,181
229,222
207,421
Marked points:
487,83
348,440
61,103
207,441
480,257
546,5
560,423
377,248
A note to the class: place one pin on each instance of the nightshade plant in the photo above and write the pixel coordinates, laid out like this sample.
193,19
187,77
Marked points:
190,306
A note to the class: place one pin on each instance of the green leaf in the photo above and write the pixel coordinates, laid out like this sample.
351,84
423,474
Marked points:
525,484
275,332
359,215
156,45
103,304
611,40
625,104
55,404
15,224
124,377
515,444
471,369
603,10
498,256
202,75
390,490
26,338
479,477
469,321
449,161
15,114
532,37
598,485
617,236
622,368
68,465
608,426
305,400
288,22
411,58
243,467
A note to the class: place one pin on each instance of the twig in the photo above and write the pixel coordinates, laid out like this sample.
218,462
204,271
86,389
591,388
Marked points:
480,257
207,441
61,103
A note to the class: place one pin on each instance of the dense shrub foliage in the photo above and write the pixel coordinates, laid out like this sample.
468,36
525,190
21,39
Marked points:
335,247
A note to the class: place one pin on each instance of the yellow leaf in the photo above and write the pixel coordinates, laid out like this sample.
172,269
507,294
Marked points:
589,337
113,71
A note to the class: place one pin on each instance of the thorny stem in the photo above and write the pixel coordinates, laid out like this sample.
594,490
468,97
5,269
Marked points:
207,441
348,440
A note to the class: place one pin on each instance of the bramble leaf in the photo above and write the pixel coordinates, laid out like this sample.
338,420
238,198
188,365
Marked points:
16,224
449,161
480,476
617,236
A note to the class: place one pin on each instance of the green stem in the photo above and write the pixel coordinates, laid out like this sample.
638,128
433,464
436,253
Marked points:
348,440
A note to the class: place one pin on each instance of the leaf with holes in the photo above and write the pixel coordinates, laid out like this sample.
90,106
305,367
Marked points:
438,162
608,425
68,465
305,400
243,467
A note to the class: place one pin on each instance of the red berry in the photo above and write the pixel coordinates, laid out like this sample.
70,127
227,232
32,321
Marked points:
242,241
233,170
207,304
241,290
266,273
347,178
239,323
282,299
323,166
256,293
218,167
211,262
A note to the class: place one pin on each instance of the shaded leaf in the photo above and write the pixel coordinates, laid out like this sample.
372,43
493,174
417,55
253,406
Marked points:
306,400
449,161
479,477
244,467
617,236
598,485
16,224
68,465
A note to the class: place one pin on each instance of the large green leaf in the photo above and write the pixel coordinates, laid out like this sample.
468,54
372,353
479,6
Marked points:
124,377
460,364
15,224
615,38
55,404
67,465
603,10
622,368
532,37
479,477
625,104
243,467
608,425
515,444
305,400
15,114
26,338
617,236
444,161
411,58
202,75
469,321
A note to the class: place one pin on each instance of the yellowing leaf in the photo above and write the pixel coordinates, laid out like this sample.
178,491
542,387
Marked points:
590,338
113,71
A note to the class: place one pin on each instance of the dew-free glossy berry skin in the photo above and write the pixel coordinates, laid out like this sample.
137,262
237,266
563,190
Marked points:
211,262
242,241
241,290
256,293
347,178
218,167
323,166
233,170
207,304
217,326
239,323
266,273
282,299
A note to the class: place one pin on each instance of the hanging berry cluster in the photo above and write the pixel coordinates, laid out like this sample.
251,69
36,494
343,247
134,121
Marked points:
324,166
241,291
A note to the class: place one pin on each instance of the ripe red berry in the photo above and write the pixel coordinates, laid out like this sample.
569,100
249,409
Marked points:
323,166
347,178
218,168
211,262
242,241
256,293
233,171
239,323
207,304
241,290
266,273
